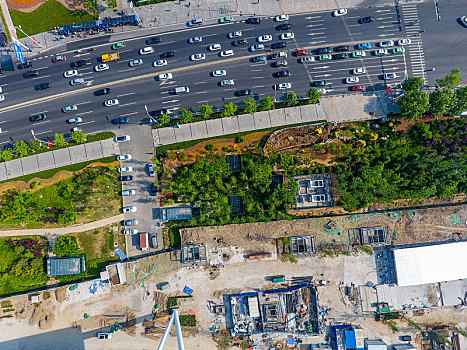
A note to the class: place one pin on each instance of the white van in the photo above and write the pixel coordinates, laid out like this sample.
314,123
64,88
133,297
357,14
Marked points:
181,90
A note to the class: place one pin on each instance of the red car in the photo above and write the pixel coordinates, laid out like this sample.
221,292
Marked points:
302,52
358,88
59,58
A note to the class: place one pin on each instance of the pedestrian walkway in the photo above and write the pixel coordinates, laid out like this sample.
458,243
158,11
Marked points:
58,158
9,23
342,108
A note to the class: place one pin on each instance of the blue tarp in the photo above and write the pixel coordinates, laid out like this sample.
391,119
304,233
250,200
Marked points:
188,290
292,341
120,254
118,21
350,341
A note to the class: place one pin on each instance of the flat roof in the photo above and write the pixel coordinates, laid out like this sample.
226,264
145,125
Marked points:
431,263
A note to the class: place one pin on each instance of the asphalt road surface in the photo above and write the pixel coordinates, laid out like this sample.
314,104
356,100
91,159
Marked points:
136,87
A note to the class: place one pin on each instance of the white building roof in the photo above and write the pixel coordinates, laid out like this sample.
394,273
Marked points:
431,264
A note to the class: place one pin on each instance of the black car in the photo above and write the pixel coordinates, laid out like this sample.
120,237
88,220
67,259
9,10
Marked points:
121,120
282,73
279,45
243,92
37,117
340,56
77,64
153,190
253,20
126,178
323,50
155,40
405,338
42,86
101,92
319,83
31,73
239,42
167,54
25,65
342,48
159,112
284,26
368,19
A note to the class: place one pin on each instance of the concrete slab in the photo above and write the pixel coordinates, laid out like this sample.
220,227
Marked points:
14,168
277,117
109,148
293,115
79,154
321,113
46,161
29,164
62,157
91,151
214,127
230,125
262,120
199,130
166,136
183,133
308,113
3,175
246,122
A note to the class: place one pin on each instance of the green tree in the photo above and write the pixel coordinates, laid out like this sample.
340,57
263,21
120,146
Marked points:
414,104
413,84
441,102
291,99
6,155
229,109
314,95
34,144
460,101
187,116
451,80
59,140
164,119
21,149
267,103
250,106
66,246
206,111
78,137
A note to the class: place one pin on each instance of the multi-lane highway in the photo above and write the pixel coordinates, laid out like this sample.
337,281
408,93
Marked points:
137,87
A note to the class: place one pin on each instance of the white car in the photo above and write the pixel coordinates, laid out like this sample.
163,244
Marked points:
219,73
214,47
339,12
103,335
226,53
287,36
159,63
264,38
2,98
387,43
389,76
282,86
146,50
360,70
75,120
404,42
463,20
281,18
228,82
164,76
101,67
77,81
198,57
131,209
125,169
124,157
76,128
112,102
195,40
137,62
257,47
131,231
307,59
352,80
70,73
122,138
234,35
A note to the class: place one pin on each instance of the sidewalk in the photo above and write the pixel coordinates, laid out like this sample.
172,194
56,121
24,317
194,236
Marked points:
341,108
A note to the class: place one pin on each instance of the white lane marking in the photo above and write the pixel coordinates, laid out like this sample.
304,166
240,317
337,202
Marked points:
256,70
202,102
128,104
86,73
258,86
124,115
171,101
126,70
1,143
83,113
200,82
3,121
229,89
89,122
257,77
130,93
319,33
200,92
45,121
83,103
39,112
42,132
43,76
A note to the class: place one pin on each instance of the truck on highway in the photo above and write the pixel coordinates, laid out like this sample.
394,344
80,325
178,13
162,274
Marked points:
110,57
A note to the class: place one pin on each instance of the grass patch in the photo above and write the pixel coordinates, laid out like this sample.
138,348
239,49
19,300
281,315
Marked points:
50,14
174,238
188,320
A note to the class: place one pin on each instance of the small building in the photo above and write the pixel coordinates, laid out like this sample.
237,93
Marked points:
192,253
372,235
347,337
144,241
116,274
175,213
375,344
34,298
314,191
302,245
65,266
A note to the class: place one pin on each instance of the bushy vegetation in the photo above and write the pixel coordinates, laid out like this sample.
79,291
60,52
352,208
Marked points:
67,246
188,320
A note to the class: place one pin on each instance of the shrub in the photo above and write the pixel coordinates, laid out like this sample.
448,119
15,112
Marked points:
46,295
188,320
67,246
6,303
366,249
209,148
8,310
286,241
393,326
172,302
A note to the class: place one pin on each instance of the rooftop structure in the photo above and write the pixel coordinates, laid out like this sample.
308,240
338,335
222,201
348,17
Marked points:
192,253
314,191
234,161
236,205
116,274
65,266
302,245
403,347
372,235
175,213
430,263
347,337
284,310
375,344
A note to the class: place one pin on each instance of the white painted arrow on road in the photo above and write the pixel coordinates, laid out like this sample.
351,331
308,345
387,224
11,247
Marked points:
320,33
323,67
171,101
89,83
323,75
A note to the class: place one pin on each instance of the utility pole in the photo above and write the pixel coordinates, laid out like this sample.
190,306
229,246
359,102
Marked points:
178,329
